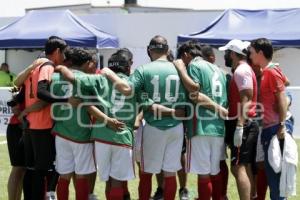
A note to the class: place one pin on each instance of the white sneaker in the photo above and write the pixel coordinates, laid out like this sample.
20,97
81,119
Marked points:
50,196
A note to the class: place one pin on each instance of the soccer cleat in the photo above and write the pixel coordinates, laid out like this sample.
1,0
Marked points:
183,194
158,195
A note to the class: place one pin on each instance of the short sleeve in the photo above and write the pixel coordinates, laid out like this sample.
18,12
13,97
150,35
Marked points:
193,72
137,79
46,72
243,79
276,80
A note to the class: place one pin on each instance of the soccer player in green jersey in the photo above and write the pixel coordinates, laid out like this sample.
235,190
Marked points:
74,150
112,147
206,130
162,138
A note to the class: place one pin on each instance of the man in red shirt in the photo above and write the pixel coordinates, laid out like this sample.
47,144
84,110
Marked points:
273,100
241,129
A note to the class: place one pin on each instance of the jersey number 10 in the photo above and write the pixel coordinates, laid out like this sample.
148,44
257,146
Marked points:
168,81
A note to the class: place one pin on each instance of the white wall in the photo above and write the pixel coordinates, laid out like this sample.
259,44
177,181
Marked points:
289,59
19,59
135,30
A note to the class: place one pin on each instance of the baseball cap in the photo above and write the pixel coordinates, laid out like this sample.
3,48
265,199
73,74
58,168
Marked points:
237,46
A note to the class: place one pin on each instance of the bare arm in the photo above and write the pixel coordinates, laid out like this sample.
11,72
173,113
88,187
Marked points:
245,98
188,83
66,73
23,75
138,120
282,109
119,83
112,123
164,111
208,103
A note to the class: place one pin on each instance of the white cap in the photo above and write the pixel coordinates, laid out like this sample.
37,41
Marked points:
236,45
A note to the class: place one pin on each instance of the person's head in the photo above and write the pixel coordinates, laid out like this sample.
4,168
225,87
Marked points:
188,51
120,62
80,58
93,64
128,54
68,56
157,47
261,51
235,51
208,53
4,67
54,49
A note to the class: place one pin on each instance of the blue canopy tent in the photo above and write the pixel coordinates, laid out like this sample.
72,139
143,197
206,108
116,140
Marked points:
280,26
32,31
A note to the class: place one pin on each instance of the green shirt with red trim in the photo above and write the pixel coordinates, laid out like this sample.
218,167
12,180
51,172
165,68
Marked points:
70,123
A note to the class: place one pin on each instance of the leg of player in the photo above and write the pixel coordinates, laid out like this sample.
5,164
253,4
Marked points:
82,187
92,180
170,185
62,189
261,181
250,174
116,189
126,191
182,177
224,174
242,181
145,185
204,187
15,182
52,179
158,195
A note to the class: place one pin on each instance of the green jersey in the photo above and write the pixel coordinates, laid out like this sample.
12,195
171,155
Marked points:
114,104
70,123
159,81
212,83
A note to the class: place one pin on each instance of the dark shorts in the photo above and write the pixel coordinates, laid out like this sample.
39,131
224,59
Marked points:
15,144
247,152
39,149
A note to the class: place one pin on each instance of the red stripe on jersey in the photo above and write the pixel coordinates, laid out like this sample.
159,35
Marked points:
69,139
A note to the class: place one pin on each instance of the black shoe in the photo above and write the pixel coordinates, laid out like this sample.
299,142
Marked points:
159,194
183,194
126,197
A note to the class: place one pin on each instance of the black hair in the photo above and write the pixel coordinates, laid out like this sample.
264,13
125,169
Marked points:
207,51
53,43
192,47
264,45
126,52
119,62
79,56
158,44
68,54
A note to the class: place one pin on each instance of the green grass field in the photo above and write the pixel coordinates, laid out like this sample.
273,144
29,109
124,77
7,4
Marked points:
99,189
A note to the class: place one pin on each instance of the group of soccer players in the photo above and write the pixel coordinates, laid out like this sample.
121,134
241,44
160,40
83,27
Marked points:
76,119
